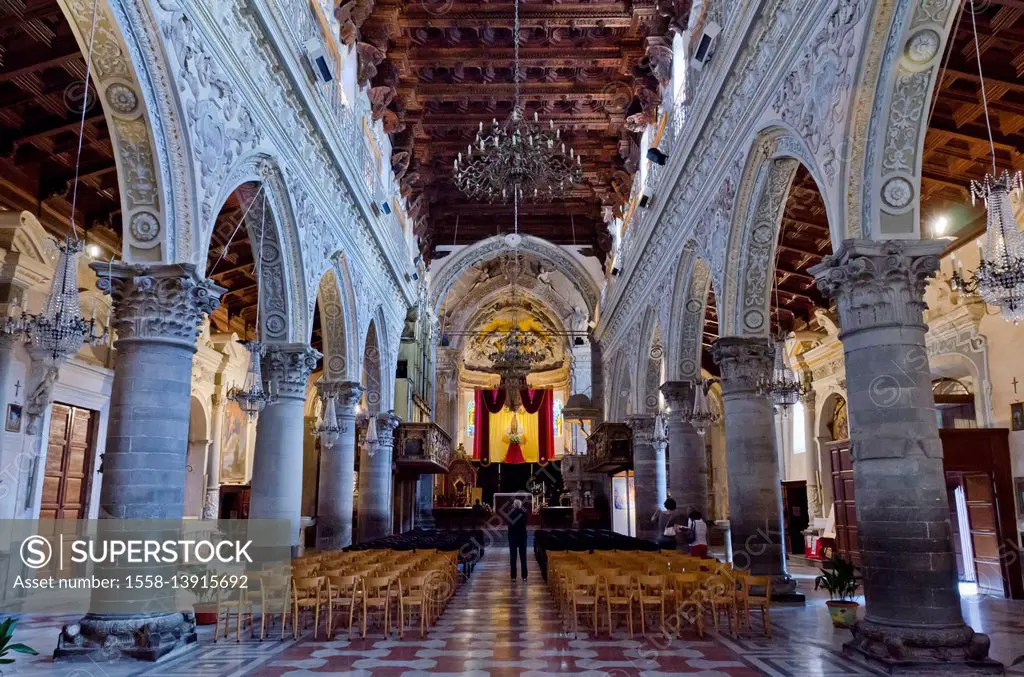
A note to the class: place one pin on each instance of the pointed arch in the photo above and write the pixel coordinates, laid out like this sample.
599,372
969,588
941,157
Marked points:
336,325
688,314
650,363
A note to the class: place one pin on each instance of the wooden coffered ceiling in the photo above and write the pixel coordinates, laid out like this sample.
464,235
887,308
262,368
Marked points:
439,69
42,81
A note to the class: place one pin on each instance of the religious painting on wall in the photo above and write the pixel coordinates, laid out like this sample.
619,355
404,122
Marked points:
13,424
233,444
1017,416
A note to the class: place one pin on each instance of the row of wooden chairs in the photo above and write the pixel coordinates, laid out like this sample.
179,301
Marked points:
667,589
399,585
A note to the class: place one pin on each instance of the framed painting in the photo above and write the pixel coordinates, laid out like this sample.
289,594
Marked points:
233,445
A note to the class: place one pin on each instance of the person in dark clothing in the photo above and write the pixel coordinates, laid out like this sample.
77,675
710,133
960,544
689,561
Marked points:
516,519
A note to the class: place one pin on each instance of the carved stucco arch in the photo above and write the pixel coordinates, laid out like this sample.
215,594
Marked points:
745,301
488,249
496,288
688,312
650,361
282,287
136,92
337,324
377,365
885,137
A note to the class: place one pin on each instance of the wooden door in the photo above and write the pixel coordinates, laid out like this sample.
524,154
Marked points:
845,500
69,453
981,513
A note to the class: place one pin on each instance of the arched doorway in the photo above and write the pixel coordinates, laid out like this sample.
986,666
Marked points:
195,462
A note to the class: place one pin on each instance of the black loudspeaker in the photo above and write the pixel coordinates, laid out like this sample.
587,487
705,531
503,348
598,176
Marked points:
656,156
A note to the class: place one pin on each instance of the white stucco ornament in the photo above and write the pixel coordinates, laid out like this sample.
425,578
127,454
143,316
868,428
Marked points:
513,240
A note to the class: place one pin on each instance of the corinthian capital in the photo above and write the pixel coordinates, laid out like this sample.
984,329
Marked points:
879,284
386,424
642,426
346,395
287,367
165,302
679,395
743,361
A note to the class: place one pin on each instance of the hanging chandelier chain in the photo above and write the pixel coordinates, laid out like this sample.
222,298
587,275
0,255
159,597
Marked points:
984,95
81,124
515,65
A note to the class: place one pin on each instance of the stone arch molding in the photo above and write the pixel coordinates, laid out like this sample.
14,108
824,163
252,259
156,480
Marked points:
378,356
338,323
886,134
687,323
495,288
760,203
135,88
488,249
282,295
649,365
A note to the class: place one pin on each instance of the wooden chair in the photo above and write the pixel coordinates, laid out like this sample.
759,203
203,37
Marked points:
377,597
720,595
652,594
342,591
584,596
241,605
689,605
619,595
413,594
275,598
760,602
307,593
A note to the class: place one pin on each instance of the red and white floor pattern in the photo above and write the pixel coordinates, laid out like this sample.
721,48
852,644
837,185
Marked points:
491,629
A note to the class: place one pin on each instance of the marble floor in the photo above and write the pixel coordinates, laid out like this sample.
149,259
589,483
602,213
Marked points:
494,629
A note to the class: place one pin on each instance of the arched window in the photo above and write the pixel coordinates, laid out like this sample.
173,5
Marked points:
799,433
471,418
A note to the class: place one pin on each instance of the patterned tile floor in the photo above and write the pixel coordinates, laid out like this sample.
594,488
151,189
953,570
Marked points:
497,630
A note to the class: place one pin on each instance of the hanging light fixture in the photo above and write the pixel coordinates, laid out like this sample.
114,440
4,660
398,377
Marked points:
782,386
371,436
60,330
701,416
329,429
516,353
252,397
999,279
517,159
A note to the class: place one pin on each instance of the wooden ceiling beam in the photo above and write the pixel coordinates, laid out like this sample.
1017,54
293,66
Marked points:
47,130
60,54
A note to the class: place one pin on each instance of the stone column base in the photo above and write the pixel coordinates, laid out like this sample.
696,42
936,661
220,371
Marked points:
108,637
784,591
922,651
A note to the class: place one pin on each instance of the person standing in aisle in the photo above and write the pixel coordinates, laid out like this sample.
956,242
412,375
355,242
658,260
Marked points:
516,520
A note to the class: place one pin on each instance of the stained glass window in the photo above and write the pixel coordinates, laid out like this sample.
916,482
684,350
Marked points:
557,411
471,418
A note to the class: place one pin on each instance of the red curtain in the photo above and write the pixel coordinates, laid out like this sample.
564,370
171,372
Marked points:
540,402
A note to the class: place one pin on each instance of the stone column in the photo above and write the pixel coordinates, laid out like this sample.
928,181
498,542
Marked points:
688,465
811,457
337,469
375,481
157,312
755,490
913,620
211,502
649,472
277,459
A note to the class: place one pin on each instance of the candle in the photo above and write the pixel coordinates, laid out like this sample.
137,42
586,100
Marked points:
535,116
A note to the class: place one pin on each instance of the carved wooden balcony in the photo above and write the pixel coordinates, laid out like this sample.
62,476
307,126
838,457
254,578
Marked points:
423,448
610,448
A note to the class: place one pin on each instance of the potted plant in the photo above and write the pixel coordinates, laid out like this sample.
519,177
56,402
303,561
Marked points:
205,606
839,577
6,635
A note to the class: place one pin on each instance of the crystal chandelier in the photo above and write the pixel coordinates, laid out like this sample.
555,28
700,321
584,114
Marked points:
513,360
782,387
60,330
371,436
329,429
999,279
517,158
251,397
701,416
